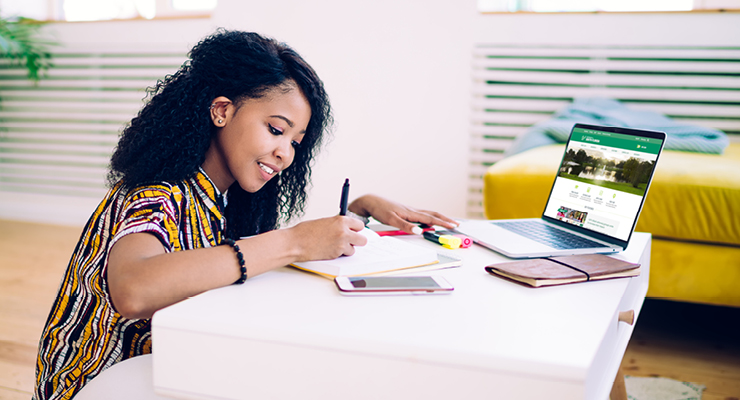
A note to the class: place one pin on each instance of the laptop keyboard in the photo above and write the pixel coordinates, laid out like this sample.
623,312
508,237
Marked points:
547,235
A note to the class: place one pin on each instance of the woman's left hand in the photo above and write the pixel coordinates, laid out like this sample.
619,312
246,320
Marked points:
398,215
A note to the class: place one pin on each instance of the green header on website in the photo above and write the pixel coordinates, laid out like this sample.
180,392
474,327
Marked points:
610,139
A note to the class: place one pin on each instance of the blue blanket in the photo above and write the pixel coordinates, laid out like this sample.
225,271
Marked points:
599,111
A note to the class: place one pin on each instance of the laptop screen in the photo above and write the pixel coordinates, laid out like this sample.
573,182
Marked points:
603,179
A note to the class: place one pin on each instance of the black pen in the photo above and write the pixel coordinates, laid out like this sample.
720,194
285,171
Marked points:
345,197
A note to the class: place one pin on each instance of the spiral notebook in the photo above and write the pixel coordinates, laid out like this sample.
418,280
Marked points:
384,255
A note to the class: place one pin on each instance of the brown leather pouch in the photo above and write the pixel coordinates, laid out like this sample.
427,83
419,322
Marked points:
550,271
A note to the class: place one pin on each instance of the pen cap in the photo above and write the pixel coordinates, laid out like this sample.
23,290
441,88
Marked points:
465,241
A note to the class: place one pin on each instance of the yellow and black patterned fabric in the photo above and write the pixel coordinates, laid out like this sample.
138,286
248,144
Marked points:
84,334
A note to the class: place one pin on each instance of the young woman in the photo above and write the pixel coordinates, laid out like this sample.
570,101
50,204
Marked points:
222,150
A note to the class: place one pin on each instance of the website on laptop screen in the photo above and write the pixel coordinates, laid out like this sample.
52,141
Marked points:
602,181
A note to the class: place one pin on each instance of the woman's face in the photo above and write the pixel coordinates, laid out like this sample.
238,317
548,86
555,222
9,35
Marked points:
257,138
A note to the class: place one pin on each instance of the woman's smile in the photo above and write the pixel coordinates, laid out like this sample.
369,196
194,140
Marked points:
267,169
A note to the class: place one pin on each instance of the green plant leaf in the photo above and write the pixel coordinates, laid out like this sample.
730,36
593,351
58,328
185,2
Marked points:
21,43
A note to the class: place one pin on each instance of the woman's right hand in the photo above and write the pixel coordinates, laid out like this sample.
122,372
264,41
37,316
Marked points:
143,277
328,238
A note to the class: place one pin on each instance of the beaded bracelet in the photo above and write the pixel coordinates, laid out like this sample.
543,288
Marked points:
240,257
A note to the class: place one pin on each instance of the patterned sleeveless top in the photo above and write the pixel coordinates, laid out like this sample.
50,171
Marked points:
84,334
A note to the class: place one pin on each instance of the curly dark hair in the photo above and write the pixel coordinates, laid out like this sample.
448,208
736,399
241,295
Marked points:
168,139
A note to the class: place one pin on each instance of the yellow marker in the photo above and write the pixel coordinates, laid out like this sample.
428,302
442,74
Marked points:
447,241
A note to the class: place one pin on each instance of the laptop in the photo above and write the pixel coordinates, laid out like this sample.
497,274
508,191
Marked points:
594,203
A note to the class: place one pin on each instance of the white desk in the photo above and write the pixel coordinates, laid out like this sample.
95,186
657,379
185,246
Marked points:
289,334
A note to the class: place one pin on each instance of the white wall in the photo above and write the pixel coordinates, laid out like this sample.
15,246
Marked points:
178,33
175,34
658,29
398,75
397,72
36,9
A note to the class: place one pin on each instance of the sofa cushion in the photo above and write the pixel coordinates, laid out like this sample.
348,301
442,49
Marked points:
695,272
693,197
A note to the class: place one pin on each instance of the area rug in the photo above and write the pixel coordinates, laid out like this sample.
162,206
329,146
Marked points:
641,388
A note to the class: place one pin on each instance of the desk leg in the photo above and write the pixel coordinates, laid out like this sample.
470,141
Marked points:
619,391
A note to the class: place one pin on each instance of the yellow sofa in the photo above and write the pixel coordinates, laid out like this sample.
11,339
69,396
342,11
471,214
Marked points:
692,210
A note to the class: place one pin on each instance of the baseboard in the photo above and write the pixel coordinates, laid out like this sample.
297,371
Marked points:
47,209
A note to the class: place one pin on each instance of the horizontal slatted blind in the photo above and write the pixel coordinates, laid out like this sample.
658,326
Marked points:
515,87
57,135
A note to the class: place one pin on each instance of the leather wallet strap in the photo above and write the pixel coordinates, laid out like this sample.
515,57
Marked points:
588,277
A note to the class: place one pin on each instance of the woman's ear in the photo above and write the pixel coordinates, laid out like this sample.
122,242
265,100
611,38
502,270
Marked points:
221,109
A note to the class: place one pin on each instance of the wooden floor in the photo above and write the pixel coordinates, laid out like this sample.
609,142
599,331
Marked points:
686,342
32,260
